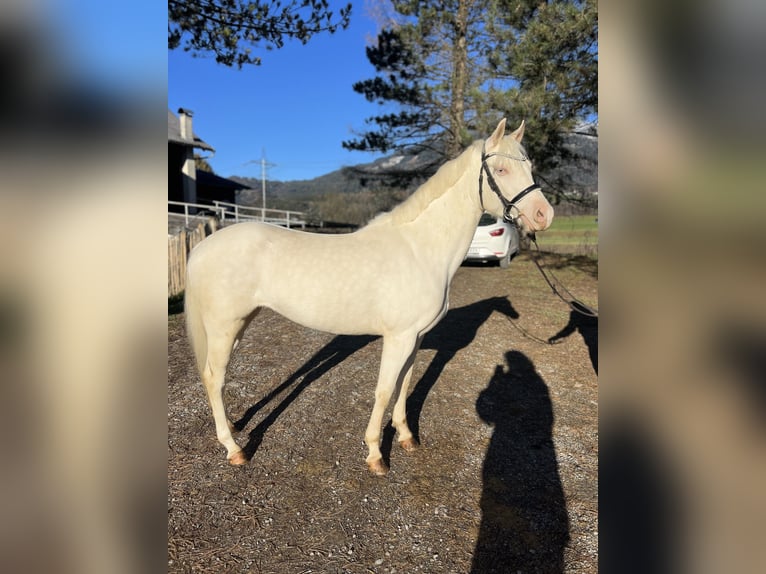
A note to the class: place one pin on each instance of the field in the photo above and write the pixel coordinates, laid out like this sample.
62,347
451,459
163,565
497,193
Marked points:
504,402
574,234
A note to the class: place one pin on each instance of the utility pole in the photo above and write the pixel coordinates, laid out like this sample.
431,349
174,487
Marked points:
264,165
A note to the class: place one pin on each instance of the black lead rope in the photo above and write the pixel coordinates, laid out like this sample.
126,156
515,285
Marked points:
529,335
573,303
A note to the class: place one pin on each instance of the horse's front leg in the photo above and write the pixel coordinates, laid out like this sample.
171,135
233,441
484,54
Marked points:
395,364
399,418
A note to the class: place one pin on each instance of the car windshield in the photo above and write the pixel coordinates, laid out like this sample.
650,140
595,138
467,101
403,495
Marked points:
487,219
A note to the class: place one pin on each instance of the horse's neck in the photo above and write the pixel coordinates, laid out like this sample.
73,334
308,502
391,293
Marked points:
443,231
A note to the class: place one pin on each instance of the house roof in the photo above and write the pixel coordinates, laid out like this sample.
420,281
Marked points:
174,134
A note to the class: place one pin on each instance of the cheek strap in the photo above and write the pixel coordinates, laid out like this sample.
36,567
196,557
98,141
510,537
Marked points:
507,205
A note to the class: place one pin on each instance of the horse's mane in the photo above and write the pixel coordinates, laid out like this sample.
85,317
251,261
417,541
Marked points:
436,186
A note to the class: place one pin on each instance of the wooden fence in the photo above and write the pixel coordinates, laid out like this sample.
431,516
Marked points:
179,246
188,227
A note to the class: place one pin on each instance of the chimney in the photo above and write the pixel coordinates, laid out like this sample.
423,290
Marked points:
188,169
185,118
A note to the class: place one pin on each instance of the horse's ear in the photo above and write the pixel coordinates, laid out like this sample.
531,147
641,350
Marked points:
519,133
497,136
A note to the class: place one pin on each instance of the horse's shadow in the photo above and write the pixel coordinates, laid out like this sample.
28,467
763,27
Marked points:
455,332
524,524
329,356
581,321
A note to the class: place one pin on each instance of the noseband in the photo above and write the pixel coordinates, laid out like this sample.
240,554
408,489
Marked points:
507,205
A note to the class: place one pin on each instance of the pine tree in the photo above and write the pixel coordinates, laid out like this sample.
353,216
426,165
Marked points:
550,58
202,164
425,63
229,28
451,68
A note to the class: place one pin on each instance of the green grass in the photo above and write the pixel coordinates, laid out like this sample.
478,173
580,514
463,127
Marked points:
576,234
570,223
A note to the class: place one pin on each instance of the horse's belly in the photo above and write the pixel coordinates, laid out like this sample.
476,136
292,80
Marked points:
330,320
352,308
342,285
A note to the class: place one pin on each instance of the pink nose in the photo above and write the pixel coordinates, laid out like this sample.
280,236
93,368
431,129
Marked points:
543,216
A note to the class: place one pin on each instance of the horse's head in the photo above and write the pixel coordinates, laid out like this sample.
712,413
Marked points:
508,189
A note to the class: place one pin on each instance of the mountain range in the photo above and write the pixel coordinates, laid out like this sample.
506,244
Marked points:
573,174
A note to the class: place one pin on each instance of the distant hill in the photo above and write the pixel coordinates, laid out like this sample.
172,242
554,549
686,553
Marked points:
574,174
302,189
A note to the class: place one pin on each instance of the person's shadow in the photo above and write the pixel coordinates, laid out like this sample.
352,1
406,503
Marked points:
524,525
587,325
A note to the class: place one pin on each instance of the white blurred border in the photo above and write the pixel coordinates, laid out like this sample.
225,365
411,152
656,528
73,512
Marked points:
682,257
82,286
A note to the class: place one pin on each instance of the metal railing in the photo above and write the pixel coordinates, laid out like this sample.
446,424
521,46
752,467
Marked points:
228,213
234,213
192,207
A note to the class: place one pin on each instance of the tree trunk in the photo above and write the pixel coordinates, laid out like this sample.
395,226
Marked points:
459,80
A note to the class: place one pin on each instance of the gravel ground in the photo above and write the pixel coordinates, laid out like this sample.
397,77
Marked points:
506,479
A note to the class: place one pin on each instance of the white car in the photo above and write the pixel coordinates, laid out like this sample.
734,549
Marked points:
494,240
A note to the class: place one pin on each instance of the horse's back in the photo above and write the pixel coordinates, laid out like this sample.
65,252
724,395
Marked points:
357,283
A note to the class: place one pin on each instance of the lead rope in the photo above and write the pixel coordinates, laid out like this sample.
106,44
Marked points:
527,334
573,302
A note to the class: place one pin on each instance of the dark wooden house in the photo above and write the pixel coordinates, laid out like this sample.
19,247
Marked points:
185,182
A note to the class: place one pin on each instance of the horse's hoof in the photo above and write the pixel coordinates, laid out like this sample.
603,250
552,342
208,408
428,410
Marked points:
238,458
409,444
378,467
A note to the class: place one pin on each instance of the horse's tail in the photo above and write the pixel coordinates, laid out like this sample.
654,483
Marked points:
195,327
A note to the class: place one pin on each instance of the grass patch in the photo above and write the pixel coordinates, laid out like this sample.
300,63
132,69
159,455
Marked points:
574,223
575,234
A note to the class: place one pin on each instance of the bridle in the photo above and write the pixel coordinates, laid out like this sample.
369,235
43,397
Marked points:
573,303
508,206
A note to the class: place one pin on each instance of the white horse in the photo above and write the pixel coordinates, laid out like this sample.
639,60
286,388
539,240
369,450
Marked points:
390,278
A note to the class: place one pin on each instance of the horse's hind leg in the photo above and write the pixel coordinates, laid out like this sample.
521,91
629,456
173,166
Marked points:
398,353
221,343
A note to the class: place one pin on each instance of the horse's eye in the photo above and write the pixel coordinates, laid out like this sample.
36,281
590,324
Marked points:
500,171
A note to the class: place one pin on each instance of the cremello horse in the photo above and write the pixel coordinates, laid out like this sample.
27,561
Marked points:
389,278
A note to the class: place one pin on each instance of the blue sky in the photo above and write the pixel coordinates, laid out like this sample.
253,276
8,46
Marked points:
296,108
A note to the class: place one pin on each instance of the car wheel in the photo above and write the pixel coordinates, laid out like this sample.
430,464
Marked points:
505,261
